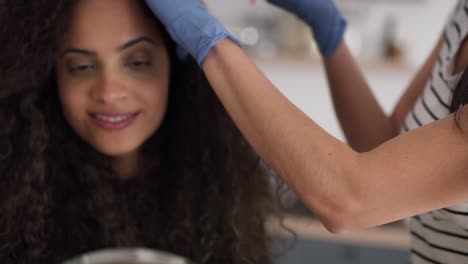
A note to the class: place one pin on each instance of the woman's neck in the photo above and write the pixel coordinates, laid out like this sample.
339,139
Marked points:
127,166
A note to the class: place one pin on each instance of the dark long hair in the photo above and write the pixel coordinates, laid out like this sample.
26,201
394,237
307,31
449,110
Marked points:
459,100
204,194
460,95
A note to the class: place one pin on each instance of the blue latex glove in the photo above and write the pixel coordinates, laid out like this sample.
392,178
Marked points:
323,17
190,25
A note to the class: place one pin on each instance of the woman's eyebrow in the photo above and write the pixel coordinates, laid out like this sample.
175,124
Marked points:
120,48
136,41
80,51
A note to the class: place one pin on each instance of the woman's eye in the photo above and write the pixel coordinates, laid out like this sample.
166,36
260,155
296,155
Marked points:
138,64
81,68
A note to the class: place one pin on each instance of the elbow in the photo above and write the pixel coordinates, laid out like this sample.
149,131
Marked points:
336,226
344,203
340,222
349,221
341,215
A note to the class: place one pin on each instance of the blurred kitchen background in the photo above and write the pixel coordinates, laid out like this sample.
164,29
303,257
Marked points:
390,39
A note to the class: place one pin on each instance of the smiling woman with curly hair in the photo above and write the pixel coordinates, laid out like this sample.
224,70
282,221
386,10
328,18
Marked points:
109,140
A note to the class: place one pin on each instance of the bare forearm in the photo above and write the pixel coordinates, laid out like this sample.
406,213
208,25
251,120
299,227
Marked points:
308,158
362,119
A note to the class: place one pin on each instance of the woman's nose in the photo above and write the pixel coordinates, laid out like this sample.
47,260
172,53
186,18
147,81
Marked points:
109,89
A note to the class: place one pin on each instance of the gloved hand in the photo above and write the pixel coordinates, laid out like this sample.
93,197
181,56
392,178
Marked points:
190,25
323,17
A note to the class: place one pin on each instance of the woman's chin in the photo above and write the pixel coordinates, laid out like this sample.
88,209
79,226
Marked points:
116,150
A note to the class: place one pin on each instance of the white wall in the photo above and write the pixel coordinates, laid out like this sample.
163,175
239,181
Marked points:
305,85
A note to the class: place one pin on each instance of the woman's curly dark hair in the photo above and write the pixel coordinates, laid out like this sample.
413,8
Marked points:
204,195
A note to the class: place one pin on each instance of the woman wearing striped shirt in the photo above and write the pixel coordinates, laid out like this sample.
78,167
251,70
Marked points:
407,164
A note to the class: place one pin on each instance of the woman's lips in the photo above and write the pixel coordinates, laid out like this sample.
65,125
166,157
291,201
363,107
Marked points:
114,121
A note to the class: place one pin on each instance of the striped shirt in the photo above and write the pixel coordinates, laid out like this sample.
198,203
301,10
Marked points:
441,236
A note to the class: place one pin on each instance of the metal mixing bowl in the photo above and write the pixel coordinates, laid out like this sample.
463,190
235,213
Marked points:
128,256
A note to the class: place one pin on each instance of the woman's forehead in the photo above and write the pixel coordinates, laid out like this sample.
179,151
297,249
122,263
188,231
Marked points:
108,22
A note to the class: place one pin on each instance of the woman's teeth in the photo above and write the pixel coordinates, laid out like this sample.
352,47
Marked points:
113,119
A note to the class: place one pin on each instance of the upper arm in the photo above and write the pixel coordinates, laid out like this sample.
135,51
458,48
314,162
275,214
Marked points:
414,90
420,171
